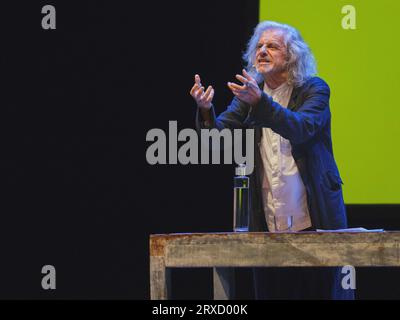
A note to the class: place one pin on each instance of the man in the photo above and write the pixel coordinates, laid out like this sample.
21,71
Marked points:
295,171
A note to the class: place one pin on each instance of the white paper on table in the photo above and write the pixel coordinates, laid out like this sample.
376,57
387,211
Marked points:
352,230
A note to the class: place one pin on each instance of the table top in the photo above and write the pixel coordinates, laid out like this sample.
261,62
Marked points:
277,249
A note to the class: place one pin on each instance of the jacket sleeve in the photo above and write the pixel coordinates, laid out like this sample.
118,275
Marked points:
297,126
232,118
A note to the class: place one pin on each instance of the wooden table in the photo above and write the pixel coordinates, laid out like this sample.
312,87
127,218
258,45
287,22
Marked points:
223,251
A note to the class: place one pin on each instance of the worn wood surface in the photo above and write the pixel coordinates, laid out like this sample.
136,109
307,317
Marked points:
273,249
160,281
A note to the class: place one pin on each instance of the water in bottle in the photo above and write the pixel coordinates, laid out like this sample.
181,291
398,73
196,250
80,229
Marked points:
241,200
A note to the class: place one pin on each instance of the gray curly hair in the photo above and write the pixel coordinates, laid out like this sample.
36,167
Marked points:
301,63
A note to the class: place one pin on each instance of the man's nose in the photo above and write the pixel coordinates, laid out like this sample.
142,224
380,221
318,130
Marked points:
263,49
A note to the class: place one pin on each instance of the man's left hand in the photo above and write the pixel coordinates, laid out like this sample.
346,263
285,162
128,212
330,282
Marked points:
249,92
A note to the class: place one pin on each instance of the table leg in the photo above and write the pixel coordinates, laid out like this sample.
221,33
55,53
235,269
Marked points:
224,283
160,279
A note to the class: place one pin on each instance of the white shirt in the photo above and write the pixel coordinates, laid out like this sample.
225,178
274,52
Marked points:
283,191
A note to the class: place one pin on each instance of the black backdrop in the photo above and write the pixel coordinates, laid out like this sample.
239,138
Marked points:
77,102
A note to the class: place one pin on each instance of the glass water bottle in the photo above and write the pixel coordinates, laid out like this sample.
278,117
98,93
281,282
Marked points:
241,200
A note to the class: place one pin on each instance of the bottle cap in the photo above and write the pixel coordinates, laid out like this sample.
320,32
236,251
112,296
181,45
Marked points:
241,170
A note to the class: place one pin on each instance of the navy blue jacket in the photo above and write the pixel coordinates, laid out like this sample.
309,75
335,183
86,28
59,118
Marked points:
306,123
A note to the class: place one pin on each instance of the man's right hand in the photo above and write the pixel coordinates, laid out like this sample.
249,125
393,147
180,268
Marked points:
203,99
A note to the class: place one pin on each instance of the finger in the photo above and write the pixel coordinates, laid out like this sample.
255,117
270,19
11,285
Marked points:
199,93
210,96
197,80
242,79
236,86
207,92
236,92
250,86
247,76
194,88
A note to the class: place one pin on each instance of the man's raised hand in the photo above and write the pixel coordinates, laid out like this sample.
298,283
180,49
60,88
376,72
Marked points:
249,92
203,99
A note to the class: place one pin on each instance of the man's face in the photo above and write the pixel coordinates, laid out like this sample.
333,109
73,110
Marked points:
271,53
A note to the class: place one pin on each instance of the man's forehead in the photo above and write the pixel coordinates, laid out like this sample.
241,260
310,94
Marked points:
272,35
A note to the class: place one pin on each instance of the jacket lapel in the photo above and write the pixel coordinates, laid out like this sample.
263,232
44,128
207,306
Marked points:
292,102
